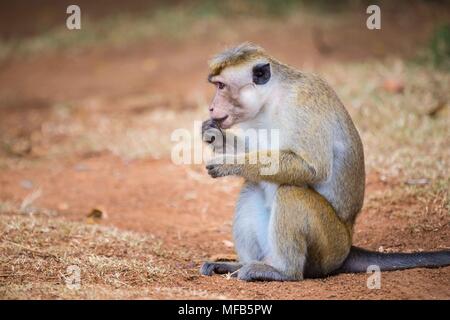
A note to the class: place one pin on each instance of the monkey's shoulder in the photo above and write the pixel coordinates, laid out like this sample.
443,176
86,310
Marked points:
313,91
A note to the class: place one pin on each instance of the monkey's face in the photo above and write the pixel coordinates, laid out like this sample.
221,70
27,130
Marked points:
241,91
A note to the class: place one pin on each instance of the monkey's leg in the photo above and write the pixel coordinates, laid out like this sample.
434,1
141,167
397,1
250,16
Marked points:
250,228
251,223
306,238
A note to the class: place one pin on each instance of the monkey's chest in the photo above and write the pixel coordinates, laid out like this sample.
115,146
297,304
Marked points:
269,191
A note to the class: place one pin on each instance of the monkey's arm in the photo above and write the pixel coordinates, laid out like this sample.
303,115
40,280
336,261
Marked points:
283,167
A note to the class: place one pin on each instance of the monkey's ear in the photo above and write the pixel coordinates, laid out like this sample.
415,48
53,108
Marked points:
261,73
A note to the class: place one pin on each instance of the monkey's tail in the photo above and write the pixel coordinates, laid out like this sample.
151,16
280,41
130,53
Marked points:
360,259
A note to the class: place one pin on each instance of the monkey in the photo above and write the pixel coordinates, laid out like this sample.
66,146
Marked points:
297,222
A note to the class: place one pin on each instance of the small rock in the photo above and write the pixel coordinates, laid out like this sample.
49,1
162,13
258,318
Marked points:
81,167
421,181
228,243
26,184
393,85
21,147
63,206
190,195
95,216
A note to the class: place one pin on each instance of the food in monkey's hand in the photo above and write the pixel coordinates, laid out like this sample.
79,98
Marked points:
210,130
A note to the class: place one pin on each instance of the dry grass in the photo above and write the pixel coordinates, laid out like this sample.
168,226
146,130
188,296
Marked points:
400,132
37,252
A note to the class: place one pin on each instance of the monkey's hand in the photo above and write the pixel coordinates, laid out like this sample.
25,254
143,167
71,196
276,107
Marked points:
213,135
222,166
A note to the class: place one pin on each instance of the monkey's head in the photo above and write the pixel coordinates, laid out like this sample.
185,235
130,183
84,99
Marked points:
242,77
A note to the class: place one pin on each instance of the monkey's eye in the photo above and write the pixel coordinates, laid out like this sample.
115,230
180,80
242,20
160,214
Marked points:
220,85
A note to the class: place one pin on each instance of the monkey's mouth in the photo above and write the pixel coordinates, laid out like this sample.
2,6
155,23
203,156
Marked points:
224,122
225,125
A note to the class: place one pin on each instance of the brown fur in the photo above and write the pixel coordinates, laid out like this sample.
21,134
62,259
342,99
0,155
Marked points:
312,231
297,221
235,56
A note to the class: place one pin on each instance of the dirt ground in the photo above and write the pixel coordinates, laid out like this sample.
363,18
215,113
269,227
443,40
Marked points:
193,216
53,106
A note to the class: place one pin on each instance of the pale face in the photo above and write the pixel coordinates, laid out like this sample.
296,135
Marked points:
241,91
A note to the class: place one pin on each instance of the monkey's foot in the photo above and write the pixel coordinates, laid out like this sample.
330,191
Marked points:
209,268
257,271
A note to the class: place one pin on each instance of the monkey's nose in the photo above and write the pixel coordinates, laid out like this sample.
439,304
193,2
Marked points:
220,120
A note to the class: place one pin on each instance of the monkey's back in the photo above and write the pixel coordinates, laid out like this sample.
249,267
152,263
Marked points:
345,187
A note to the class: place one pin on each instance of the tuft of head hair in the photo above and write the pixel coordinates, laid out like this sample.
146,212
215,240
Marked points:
233,56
